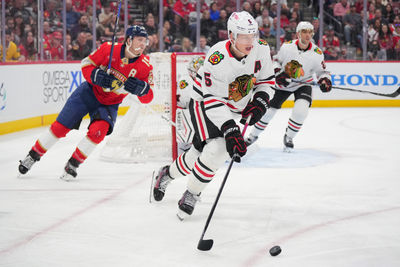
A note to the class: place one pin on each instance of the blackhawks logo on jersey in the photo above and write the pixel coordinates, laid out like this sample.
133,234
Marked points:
318,51
262,42
289,42
294,69
183,84
215,58
241,87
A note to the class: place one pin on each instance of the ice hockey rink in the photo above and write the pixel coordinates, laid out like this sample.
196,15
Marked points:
334,201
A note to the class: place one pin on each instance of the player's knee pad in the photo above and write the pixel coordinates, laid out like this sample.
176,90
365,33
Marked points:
300,110
59,130
97,131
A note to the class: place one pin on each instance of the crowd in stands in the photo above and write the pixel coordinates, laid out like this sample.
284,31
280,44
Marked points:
342,38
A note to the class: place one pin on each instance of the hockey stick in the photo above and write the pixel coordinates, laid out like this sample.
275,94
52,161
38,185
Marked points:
113,36
206,244
394,94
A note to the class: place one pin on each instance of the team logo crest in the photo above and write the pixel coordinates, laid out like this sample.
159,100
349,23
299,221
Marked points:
183,84
241,87
125,61
215,58
294,69
318,51
262,42
116,84
289,42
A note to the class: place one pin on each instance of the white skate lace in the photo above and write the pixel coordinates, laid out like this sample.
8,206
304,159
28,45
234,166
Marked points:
28,162
190,199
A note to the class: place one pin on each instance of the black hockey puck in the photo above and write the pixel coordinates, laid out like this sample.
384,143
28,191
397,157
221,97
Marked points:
275,251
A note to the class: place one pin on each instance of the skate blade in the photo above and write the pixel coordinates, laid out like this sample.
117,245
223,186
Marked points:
151,187
182,215
67,177
288,149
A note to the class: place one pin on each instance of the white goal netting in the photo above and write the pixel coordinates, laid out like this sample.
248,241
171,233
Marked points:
146,132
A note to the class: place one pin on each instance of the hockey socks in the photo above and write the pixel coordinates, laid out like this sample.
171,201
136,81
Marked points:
49,138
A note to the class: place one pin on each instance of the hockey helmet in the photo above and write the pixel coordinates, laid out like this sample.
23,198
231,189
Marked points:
304,25
136,30
242,23
194,65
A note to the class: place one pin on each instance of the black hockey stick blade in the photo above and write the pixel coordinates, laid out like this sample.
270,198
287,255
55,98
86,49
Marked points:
205,245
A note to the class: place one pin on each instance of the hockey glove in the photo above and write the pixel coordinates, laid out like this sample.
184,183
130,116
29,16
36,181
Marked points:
325,85
105,80
282,79
136,86
235,145
256,108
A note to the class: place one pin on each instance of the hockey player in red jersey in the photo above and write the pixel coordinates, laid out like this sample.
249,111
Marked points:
233,84
100,96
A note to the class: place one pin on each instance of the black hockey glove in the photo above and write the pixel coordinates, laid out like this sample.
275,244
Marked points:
256,108
137,87
101,78
235,145
325,85
281,79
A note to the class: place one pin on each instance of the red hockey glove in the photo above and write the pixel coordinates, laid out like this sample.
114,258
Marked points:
136,86
325,85
256,108
235,145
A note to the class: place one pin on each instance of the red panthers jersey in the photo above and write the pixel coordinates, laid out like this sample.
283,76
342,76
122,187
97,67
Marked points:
121,68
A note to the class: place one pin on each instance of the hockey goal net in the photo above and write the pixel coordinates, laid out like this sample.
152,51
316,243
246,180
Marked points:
146,132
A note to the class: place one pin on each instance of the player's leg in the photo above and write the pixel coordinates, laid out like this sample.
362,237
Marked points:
69,118
276,102
102,124
302,103
210,160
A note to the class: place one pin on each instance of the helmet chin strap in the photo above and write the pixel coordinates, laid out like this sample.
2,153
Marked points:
128,46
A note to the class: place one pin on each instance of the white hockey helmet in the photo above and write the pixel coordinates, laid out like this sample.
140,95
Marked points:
304,25
194,65
242,23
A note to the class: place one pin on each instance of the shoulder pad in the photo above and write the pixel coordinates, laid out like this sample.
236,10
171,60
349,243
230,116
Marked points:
216,58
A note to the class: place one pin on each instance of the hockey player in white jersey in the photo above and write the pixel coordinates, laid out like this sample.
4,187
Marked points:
184,127
295,63
233,84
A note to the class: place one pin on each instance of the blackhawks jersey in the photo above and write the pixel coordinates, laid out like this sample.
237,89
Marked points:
299,64
121,68
226,85
184,91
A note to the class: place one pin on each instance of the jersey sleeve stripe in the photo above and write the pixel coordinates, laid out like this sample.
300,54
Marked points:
211,101
266,82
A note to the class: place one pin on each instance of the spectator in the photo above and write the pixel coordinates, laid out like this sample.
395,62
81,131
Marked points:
10,24
12,52
168,37
265,34
182,9
378,16
28,48
208,28
203,46
315,23
359,6
19,28
386,45
68,41
83,26
150,25
72,16
18,6
214,12
52,15
256,9
296,10
46,31
186,45
352,26
53,50
264,14
281,33
371,12
340,9
247,7
331,44
222,25
80,47
388,13
396,41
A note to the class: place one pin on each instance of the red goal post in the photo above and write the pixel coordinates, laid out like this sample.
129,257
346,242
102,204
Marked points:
146,132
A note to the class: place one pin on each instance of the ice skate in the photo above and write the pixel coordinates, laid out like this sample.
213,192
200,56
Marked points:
160,183
250,139
26,164
288,144
186,204
70,170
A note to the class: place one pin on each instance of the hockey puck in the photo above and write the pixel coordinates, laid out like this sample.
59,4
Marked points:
275,251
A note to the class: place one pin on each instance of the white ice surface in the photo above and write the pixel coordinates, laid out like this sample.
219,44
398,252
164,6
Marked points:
335,201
